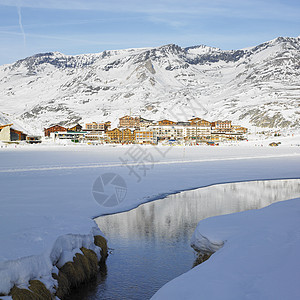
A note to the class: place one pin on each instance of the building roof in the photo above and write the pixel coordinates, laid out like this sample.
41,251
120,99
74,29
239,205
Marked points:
2,126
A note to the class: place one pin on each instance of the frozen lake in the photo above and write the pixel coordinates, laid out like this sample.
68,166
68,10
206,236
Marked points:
151,244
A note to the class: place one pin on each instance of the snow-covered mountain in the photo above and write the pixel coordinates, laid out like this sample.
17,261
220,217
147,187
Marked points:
258,86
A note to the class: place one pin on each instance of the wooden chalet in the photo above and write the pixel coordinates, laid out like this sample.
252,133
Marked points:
127,136
54,128
75,128
114,135
120,136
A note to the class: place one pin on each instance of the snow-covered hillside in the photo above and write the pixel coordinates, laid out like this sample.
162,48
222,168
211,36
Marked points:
257,86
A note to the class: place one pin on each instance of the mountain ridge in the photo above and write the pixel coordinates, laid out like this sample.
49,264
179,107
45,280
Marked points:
257,86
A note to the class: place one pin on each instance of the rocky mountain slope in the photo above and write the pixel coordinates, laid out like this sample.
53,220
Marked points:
258,86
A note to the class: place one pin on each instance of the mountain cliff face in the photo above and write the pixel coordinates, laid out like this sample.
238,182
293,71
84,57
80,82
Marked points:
258,86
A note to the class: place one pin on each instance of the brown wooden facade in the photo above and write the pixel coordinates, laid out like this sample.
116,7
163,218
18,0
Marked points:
54,128
116,135
166,122
76,128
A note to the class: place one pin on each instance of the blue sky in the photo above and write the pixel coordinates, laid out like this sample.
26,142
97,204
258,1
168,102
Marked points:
28,27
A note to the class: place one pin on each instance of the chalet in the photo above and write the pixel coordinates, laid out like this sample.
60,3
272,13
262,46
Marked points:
127,136
9,134
166,122
54,128
114,135
75,128
129,122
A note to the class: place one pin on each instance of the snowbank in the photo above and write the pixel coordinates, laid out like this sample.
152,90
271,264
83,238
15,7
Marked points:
259,258
41,266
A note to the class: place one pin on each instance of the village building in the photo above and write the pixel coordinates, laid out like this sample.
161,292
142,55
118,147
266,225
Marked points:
114,135
146,123
166,122
198,133
183,123
129,122
221,126
127,136
167,132
76,128
9,134
199,122
95,135
54,128
68,135
33,139
145,137
102,126
239,129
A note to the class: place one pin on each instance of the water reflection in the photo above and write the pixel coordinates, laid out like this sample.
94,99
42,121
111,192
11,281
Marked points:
174,216
152,242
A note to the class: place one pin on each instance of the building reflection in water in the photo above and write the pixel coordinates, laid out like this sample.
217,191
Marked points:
178,214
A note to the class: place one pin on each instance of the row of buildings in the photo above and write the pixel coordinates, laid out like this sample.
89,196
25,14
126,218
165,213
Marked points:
142,131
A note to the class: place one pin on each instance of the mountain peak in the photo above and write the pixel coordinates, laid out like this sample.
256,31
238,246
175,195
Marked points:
201,49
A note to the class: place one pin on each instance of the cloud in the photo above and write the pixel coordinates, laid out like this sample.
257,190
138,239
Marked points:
20,23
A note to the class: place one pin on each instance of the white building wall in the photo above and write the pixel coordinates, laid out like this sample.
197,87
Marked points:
5,134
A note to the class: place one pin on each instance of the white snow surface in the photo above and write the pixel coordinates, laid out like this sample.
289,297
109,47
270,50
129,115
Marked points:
47,204
259,259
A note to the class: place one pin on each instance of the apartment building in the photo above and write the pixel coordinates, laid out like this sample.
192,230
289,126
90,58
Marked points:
166,132
199,122
221,126
102,126
145,137
197,132
129,122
